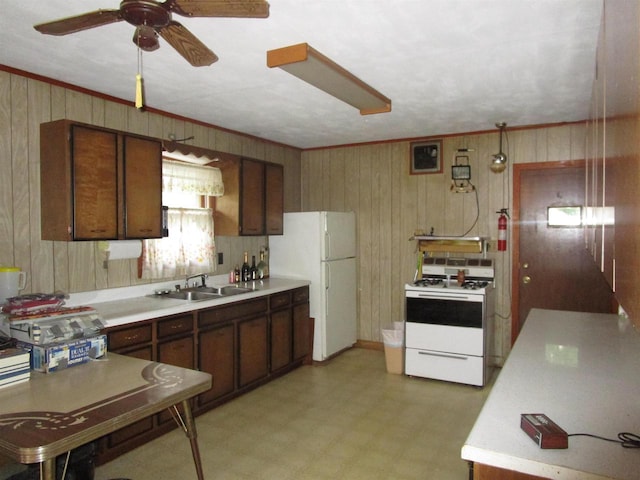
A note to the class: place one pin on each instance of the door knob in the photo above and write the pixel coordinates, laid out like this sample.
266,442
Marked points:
526,279
525,265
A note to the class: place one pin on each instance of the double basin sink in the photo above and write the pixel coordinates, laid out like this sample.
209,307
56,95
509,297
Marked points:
198,294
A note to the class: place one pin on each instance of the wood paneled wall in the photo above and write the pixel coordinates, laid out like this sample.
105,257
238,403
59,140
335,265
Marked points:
390,205
77,266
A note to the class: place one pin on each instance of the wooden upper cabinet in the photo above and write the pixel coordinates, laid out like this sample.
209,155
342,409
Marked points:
253,198
142,188
99,184
252,203
274,198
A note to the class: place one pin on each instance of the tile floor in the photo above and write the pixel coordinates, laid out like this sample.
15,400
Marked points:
349,419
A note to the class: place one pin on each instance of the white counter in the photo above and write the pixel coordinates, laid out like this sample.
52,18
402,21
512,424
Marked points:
583,371
119,306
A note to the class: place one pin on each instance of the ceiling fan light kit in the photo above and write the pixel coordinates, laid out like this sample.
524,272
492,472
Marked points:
499,160
311,66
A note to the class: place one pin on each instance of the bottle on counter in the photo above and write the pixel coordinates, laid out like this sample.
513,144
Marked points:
246,270
232,276
253,271
236,274
262,266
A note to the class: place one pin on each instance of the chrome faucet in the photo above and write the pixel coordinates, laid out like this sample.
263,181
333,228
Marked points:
203,277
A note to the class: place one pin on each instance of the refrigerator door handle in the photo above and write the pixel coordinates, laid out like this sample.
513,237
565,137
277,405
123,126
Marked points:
327,245
327,276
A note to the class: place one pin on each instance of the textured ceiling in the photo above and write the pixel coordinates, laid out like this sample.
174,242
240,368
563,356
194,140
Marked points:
448,66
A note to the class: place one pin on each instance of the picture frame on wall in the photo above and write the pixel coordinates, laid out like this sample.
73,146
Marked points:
426,157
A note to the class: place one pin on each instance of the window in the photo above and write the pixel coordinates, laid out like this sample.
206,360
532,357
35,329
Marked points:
190,247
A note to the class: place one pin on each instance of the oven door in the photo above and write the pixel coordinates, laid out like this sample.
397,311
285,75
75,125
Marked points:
455,309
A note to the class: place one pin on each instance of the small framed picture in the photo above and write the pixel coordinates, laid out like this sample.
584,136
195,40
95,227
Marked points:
426,157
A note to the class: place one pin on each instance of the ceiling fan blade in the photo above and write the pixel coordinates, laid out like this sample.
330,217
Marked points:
221,8
79,22
186,44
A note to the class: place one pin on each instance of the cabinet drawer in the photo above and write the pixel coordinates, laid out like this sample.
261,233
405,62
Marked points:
279,300
129,336
301,295
232,311
444,366
173,326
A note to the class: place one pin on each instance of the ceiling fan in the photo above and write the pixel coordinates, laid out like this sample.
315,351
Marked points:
152,18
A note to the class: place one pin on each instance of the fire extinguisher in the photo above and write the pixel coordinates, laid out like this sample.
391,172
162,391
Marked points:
502,229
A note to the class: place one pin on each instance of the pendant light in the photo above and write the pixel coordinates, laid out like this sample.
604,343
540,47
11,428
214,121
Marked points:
499,161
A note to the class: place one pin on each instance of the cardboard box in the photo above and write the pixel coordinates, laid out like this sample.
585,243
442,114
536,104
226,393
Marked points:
57,356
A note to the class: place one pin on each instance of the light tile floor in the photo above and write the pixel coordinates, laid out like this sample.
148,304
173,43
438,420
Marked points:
349,419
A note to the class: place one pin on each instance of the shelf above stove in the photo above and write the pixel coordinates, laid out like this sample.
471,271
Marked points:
428,243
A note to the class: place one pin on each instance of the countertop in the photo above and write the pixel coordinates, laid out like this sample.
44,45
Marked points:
583,371
120,306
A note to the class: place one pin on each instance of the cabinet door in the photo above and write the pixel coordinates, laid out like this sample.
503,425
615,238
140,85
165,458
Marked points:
301,331
280,339
216,356
252,341
274,199
252,191
142,188
95,184
178,352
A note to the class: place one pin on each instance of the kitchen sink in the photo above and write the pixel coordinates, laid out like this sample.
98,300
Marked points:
199,294
192,296
226,290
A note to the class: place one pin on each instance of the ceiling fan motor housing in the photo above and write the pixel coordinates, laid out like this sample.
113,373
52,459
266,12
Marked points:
147,13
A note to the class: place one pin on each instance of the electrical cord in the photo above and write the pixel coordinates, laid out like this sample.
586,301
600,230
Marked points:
477,210
626,439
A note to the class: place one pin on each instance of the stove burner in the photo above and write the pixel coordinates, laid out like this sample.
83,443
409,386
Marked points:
474,284
428,282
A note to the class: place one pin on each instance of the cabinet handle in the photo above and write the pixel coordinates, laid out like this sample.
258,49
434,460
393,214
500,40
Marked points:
145,230
175,327
98,230
131,337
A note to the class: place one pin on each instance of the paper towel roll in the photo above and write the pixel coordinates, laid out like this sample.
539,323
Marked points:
121,249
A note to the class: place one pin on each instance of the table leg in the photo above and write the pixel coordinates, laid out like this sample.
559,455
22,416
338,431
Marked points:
48,469
192,434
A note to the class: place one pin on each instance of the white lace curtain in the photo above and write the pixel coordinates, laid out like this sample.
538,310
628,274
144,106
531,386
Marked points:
182,177
190,247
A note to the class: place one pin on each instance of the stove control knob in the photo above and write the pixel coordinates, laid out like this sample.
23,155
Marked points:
526,279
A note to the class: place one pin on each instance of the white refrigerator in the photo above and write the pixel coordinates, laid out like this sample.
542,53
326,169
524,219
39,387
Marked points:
321,247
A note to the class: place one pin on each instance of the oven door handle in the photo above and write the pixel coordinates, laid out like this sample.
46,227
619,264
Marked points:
445,296
444,355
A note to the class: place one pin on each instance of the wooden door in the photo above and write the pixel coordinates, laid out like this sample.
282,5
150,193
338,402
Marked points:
95,184
142,188
216,356
552,268
252,355
252,192
274,199
281,342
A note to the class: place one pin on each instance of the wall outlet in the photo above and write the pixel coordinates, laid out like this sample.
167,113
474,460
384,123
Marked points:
220,258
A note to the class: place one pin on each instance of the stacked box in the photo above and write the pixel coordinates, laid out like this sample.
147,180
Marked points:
57,356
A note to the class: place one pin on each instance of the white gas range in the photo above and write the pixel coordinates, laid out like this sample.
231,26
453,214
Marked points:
449,320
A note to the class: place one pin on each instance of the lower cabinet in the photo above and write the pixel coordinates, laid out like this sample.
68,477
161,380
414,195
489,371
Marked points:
252,350
216,355
242,345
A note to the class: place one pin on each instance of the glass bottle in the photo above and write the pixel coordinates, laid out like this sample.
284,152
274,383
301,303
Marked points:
246,270
253,271
261,265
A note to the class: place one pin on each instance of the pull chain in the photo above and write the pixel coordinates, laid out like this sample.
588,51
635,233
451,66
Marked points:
139,86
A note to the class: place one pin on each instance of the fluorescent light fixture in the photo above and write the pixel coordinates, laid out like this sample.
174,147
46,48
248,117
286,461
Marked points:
314,68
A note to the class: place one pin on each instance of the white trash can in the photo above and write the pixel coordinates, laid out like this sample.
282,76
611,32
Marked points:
393,338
